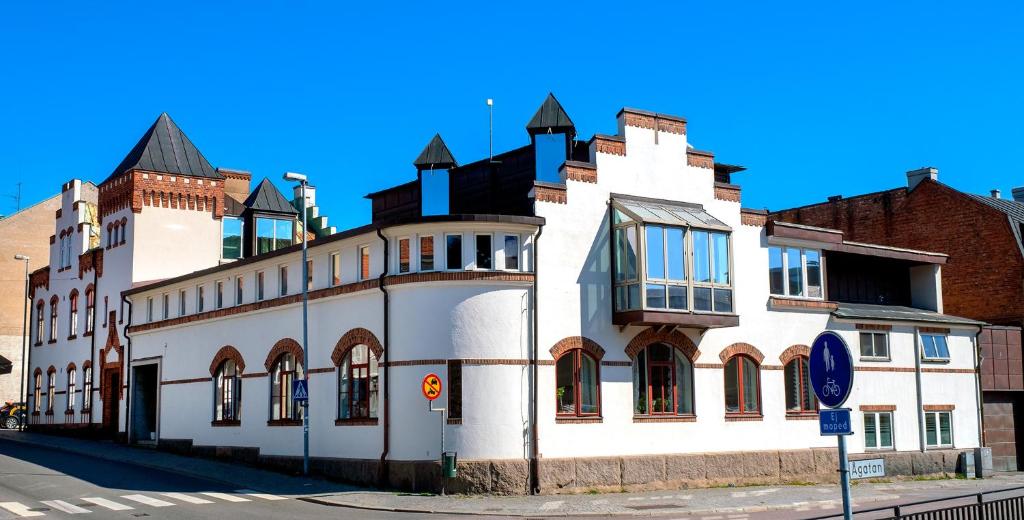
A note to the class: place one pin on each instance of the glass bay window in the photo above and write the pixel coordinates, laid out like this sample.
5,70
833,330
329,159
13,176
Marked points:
670,256
795,272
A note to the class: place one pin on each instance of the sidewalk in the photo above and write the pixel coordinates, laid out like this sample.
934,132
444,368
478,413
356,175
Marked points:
807,500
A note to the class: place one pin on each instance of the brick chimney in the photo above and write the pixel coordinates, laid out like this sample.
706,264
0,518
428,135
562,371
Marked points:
1018,193
996,194
914,177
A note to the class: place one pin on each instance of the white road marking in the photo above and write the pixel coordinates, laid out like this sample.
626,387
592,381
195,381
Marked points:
65,507
109,504
226,497
19,509
149,501
264,496
182,497
554,504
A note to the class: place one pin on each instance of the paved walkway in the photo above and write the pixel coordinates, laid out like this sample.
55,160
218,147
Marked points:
801,501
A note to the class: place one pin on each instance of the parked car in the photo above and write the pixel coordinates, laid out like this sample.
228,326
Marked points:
12,415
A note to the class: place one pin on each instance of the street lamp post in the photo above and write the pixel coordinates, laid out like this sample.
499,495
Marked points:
23,391
303,182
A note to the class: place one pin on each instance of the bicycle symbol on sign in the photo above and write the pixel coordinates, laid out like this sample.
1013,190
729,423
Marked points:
830,389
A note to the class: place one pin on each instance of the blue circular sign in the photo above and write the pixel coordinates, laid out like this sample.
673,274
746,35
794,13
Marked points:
831,368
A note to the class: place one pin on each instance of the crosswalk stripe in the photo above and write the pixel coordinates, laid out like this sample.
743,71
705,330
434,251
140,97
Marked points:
182,497
226,497
19,509
65,507
109,504
264,496
149,501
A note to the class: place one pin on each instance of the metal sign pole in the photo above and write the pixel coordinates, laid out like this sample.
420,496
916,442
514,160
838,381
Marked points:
844,479
444,419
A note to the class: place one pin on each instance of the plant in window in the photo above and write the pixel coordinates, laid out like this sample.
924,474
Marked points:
577,384
662,381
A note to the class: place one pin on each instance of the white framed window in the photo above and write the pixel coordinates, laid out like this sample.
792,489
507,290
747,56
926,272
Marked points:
934,347
453,252
335,269
874,345
794,271
282,280
511,252
219,297
878,431
165,306
260,279
404,255
181,302
427,253
364,262
239,290
938,429
149,310
484,247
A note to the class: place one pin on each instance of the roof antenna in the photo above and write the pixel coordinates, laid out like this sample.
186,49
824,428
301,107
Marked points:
490,131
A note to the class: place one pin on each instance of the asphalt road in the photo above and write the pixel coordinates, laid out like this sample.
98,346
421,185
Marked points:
40,483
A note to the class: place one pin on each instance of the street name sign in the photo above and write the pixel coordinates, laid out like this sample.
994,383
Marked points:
872,468
431,387
835,421
300,392
831,369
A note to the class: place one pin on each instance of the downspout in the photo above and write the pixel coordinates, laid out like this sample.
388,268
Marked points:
92,343
977,389
127,370
534,434
28,362
917,380
385,362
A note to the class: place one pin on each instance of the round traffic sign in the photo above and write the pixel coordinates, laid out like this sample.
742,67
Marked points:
431,387
831,368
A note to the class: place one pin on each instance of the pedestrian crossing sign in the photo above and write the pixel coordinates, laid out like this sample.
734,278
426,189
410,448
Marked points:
300,392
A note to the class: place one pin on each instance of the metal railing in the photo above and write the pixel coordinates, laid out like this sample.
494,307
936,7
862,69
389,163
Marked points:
1009,508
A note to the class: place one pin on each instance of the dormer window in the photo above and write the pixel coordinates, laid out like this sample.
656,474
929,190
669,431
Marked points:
670,256
272,234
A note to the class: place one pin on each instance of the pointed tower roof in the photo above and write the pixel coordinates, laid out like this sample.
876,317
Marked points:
435,156
165,148
550,116
267,198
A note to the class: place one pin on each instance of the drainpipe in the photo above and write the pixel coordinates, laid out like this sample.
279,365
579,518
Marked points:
917,379
382,475
92,343
977,389
534,434
127,369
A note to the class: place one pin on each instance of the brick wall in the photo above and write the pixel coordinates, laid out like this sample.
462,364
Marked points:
984,278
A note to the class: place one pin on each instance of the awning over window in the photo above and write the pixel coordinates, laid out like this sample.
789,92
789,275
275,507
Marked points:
670,213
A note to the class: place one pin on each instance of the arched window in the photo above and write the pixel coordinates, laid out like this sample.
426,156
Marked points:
799,394
39,322
71,387
358,384
577,384
742,386
86,387
90,309
37,393
227,392
662,381
284,371
51,389
110,235
124,226
53,319
73,314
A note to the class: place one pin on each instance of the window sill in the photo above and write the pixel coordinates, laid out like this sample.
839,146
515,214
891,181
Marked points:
936,361
284,422
51,342
87,333
876,359
578,420
743,417
879,450
71,337
940,447
801,416
455,420
664,419
225,423
362,421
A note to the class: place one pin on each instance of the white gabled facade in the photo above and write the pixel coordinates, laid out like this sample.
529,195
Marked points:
519,313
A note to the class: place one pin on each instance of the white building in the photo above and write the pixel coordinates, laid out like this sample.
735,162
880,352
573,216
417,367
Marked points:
603,314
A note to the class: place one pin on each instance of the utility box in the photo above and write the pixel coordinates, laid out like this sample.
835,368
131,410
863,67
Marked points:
965,465
983,462
448,460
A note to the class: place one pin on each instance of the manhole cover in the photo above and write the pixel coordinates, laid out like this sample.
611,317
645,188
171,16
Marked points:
655,506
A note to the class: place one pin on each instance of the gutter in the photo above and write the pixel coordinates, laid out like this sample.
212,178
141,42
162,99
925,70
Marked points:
977,389
382,469
127,369
917,381
534,434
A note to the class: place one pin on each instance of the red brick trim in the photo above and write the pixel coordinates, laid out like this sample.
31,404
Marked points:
878,408
911,370
805,416
665,419
609,145
255,374
740,417
873,326
655,335
580,172
90,260
71,367
939,407
454,421
776,302
225,353
415,362
753,218
727,193
137,188
653,121
933,330
772,367
284,346
701,159
551,194
458,276
324,370
356,336
578,420
491,362
577,342
371,421
186,381
741,348
793,352
716,366
616,363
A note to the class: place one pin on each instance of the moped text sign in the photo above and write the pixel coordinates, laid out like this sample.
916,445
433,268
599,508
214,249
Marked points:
835,421
872,468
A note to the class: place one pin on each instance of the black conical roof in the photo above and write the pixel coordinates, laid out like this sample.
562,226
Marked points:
266,197
165,148
550,116
435,155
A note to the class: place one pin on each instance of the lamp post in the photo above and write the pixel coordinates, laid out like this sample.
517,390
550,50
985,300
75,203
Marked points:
303,182
23,391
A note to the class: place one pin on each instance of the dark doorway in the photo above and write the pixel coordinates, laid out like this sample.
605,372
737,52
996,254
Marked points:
144,404
111,401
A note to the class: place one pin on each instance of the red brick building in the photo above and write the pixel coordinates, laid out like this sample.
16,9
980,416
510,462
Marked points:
983,279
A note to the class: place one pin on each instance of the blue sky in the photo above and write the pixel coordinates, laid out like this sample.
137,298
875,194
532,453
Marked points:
816,99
